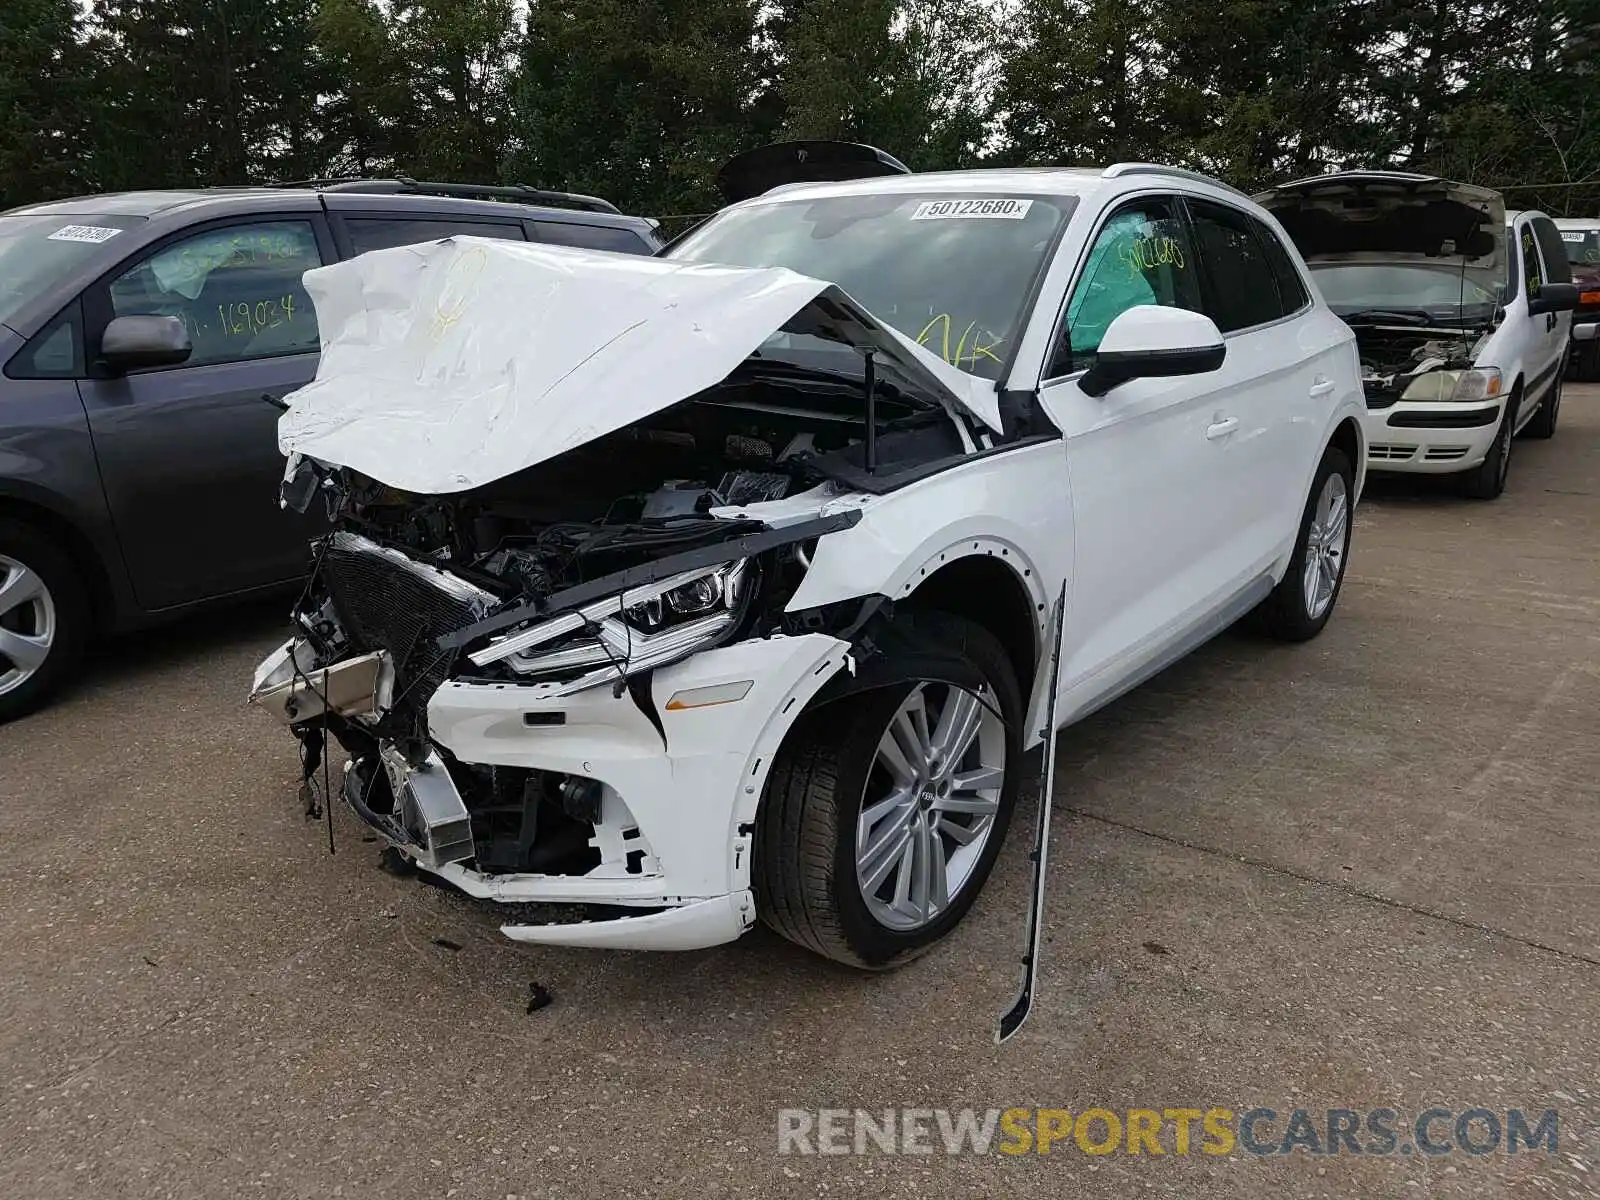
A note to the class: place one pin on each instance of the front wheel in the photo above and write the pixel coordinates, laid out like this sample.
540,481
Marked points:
1303,600
886,808
44,618
1488,479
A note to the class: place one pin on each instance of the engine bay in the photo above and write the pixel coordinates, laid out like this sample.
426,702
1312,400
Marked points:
1393,358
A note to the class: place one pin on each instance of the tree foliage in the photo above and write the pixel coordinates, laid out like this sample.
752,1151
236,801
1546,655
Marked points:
640,100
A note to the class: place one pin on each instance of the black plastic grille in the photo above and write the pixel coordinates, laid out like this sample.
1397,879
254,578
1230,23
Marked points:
384,605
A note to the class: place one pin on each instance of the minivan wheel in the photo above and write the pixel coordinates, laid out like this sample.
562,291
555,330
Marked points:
44,618
1488,479
885,810
1303,600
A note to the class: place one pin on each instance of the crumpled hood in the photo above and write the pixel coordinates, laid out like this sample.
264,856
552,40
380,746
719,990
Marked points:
1389,215
448,365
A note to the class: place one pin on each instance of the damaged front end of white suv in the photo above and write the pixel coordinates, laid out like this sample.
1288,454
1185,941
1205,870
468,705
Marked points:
572,496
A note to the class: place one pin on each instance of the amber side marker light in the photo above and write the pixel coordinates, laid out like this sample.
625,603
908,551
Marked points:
707,697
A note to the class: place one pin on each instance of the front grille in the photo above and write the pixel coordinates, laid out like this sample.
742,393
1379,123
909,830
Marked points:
386,601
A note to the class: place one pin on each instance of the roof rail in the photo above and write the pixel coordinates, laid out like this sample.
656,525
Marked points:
1118,170
405,185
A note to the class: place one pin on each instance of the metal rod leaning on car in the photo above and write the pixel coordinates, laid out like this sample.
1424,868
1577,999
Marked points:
1012,1019
661,568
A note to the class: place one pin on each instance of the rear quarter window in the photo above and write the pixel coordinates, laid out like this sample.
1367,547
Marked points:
385,233
591,237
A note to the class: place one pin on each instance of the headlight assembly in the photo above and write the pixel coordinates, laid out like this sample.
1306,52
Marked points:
1465,387
642,628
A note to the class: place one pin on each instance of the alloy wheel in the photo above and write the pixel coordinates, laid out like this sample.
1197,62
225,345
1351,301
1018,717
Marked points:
930,803
1325,546
27,623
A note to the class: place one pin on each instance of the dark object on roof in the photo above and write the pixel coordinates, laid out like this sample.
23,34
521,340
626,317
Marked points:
766,167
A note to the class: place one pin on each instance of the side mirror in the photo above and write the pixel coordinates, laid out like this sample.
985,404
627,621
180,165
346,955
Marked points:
1148,341
1587,332
130,343
1553,298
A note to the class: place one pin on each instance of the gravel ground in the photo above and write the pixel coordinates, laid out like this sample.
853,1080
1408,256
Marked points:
1354,874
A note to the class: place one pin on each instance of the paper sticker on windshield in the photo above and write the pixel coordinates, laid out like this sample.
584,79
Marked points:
1572,235
994,210
84,233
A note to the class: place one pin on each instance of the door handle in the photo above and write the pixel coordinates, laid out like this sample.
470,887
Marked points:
276,400
1221,429
1321,388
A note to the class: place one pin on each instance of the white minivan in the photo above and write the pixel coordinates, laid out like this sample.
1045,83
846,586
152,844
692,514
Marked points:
1460,310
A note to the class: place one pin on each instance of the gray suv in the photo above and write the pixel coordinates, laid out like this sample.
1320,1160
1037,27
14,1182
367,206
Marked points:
146,342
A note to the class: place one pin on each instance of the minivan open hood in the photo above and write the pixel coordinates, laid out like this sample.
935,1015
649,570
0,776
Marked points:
448,365
1389,214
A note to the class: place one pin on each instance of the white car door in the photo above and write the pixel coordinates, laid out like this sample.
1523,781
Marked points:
1543,335
1143,462
1275,380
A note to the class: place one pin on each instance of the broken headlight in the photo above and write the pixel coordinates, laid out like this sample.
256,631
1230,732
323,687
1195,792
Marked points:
1481,383
642,628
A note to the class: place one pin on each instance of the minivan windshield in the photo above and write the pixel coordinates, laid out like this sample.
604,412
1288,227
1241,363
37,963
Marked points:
38,250
1445,292
1583,246
951,271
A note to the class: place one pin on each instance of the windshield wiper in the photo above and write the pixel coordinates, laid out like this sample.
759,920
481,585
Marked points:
1399,316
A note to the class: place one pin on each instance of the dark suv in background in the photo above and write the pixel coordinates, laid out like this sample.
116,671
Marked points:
146,342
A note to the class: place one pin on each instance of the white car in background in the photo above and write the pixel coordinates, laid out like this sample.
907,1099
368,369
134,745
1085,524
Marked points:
669,594
1461,312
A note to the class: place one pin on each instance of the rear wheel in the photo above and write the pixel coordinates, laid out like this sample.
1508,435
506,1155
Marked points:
886,809
44,618
1303,600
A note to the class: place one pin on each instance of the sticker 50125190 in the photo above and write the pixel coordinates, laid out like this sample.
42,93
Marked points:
944,210
84,233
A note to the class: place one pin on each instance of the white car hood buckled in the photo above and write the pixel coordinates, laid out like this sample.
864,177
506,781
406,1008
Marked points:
451,364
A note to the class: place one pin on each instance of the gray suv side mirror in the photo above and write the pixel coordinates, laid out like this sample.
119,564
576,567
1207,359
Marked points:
130,343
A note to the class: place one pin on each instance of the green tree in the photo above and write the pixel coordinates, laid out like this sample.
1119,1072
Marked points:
1084,82
904,75
45,96
198,92
638,101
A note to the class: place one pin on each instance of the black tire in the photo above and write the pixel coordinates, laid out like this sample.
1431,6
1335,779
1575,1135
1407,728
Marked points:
1488,479
1286,614
1543,423
25,545
804,859
1584,364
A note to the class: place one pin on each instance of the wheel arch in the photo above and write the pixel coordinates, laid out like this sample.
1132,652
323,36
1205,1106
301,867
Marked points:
80,547
983,587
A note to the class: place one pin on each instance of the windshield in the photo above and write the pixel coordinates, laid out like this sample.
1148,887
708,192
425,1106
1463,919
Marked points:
1437,290
1583,246
951,272
37,250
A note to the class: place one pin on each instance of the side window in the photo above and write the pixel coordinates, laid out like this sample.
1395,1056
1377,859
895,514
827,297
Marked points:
1557,266
1291,288
236,288
1532,271
1242,287
590,237
1141,255
384,233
